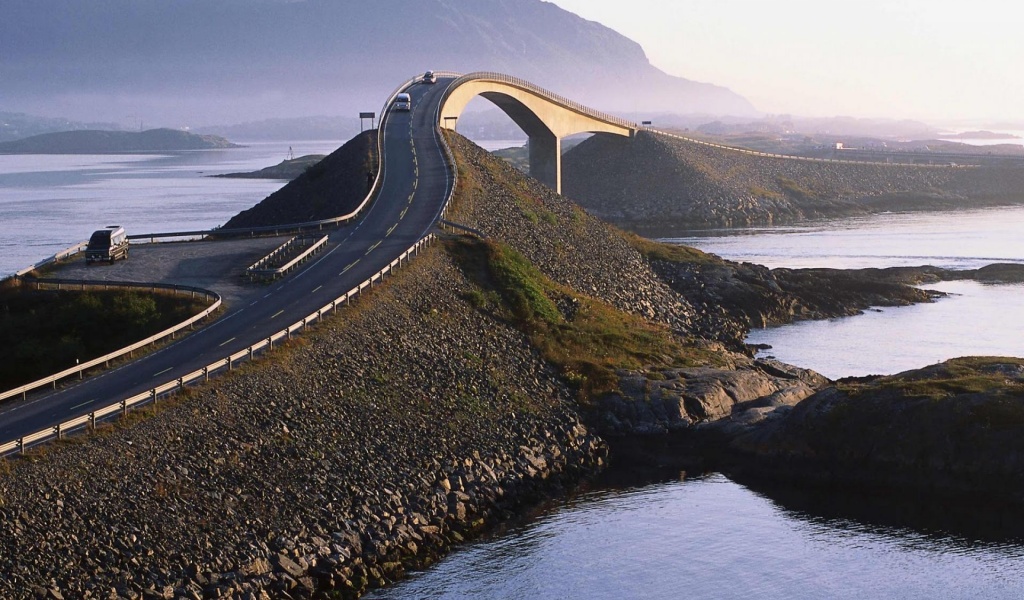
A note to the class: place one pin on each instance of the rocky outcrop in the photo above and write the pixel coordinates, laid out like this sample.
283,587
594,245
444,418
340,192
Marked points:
672,400
733,298
699,186
957,426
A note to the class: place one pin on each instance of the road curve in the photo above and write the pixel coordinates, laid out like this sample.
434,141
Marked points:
416,184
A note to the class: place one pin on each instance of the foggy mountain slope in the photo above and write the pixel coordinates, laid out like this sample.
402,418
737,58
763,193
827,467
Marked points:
203,61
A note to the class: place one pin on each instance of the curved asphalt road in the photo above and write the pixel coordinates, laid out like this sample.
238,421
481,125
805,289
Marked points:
416,183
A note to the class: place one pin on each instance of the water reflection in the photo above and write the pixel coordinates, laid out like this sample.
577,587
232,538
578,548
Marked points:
708,537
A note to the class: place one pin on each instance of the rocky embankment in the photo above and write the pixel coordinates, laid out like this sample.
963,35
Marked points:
702,186
371,445
957,427
332,187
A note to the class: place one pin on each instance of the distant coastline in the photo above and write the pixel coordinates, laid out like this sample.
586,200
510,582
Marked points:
983,135
114,142
287,169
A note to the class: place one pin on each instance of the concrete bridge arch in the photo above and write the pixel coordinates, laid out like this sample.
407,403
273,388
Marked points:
545,117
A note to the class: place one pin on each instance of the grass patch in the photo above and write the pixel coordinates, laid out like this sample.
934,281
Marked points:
969,375
669,252
587,348
793,189
760,192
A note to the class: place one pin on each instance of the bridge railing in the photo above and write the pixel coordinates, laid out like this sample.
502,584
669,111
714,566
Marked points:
750,152
81,285
546,94
227,363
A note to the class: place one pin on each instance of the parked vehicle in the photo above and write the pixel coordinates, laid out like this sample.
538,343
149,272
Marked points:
403,102
107,244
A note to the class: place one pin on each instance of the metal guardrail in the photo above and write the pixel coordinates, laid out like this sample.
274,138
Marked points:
259,269
66,253
106,358
227,363
799,158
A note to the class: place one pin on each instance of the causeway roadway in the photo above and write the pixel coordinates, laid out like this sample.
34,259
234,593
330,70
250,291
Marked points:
416,184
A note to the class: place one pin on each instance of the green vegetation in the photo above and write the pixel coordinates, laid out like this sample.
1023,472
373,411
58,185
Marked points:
794,189
669,252
760,192
587,339
43,332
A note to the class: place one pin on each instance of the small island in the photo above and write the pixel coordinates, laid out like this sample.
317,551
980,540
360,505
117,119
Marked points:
96,141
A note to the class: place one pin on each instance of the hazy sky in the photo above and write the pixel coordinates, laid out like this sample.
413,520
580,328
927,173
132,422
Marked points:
936,60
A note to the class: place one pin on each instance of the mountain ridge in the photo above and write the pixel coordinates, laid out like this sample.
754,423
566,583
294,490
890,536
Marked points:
191,59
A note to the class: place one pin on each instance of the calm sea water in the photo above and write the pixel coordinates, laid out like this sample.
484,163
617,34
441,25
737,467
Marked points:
712,538
976,319
49,202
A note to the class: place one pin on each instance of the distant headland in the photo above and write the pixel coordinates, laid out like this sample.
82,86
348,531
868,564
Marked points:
114,142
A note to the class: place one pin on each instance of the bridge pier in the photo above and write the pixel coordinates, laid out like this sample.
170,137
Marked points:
546,118
546,159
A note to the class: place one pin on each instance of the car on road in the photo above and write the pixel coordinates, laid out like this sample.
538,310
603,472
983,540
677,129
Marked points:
108,244
403,102
429,77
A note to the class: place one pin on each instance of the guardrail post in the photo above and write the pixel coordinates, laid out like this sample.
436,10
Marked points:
124,408
289,331
181,383
270,343
21,445
228,359
92,421
206,373
58,431
152,395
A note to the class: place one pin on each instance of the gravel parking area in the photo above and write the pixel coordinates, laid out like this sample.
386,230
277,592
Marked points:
213,265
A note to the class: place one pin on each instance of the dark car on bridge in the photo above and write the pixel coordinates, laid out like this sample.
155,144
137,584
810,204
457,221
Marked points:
429,77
